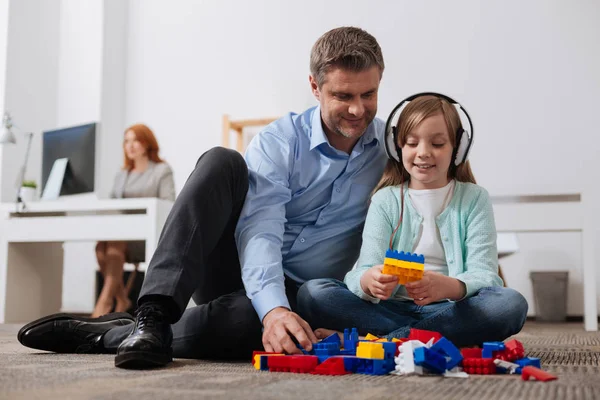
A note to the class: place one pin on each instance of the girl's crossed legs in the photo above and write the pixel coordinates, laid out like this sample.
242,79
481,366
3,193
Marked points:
491,314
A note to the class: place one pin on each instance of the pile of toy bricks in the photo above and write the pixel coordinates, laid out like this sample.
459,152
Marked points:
423,352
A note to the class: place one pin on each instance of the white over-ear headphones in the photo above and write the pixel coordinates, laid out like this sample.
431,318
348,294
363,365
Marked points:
464,137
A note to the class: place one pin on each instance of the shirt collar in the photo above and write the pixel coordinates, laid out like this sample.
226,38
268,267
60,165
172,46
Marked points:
318,136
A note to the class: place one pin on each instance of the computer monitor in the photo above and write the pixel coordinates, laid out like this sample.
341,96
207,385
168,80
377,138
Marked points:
78,146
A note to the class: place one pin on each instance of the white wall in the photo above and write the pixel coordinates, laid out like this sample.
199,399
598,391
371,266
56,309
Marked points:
30,86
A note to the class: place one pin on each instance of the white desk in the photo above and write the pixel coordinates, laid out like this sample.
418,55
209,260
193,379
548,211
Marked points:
31,254
560,213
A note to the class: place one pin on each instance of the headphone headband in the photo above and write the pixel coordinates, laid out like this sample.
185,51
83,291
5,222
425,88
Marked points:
464,138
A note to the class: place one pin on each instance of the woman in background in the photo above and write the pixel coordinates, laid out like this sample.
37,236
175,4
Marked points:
144,174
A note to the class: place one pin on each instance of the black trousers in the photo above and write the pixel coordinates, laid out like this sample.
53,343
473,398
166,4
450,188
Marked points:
196,257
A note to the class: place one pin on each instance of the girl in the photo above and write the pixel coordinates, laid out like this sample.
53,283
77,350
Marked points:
428,204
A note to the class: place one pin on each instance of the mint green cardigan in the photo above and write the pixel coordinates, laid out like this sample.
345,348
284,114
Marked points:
466,227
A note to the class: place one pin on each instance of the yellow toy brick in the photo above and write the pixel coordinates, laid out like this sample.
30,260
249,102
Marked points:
371,350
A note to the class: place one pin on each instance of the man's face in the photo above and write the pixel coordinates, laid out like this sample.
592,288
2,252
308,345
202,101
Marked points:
348,102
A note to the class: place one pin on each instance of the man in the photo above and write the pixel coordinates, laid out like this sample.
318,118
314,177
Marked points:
295,208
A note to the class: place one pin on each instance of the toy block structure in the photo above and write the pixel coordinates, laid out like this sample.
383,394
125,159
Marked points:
407,267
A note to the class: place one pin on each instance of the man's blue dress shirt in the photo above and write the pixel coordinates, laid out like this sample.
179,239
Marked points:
306,205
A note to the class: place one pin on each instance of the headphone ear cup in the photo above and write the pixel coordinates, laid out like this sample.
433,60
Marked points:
391,148
463,146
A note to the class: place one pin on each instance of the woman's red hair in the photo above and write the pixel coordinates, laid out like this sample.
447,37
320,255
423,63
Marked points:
147,139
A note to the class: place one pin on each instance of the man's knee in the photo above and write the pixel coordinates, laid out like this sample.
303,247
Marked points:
223,158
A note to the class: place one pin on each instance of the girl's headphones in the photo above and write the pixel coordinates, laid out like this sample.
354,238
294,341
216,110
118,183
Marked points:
464,138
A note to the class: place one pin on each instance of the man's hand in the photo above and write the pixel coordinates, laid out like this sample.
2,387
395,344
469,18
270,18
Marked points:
280,326
376,284
433,287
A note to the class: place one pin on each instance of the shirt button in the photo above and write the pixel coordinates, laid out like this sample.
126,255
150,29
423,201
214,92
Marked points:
302,240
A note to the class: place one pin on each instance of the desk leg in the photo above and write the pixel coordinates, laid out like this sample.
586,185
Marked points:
33,280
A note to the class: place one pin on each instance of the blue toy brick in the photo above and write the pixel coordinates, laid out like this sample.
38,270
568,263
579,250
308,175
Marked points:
368,366
333,338
389,350
350,341
448,350
490,347
326,350
527,361
409,257
431,360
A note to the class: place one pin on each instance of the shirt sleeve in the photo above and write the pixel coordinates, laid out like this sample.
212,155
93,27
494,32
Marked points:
166,184
480,250
376,237
260,229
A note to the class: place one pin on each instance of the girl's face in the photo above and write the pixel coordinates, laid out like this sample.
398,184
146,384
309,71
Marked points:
133,148
427,154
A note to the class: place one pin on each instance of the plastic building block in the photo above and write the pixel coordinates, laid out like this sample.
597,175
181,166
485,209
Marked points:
368,366
527,361
479,366
371,337
298,364
333,338
506,366
537,373
471,352
331,366
262,361
326,350
448,350
423,335
406,266
429,359
370,350
256,353
405,361
513,350
490,347
350,342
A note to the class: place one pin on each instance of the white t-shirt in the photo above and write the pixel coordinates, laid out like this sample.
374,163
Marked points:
430,203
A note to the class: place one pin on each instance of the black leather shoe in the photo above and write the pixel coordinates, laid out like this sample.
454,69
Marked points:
149,345
67,333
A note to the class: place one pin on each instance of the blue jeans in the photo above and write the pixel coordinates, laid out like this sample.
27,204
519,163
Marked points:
491,314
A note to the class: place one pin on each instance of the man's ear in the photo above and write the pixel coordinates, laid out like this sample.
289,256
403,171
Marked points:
314,87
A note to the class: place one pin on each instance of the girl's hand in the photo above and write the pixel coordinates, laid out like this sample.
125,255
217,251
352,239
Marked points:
434,287
376,284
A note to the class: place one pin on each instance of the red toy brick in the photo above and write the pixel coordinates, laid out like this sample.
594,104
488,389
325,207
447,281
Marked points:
298,364
479,366
471,352
423,335
331,366
537,373
513,351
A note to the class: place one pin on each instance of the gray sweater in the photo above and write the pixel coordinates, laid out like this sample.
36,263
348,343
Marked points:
155,181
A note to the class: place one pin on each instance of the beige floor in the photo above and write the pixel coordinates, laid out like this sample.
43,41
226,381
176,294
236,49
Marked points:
565,349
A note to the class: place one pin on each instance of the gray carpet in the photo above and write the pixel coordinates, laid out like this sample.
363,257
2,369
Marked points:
564,349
